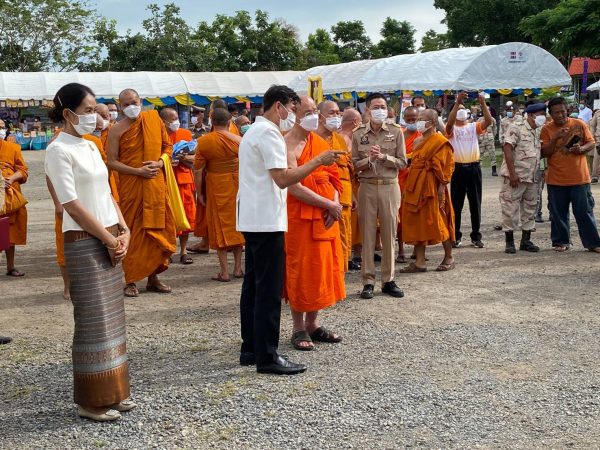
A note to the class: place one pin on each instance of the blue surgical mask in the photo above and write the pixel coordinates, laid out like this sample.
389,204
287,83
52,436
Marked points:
510,114
244,128
411,126
582,107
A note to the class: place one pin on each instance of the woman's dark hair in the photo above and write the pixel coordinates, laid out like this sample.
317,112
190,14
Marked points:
70,97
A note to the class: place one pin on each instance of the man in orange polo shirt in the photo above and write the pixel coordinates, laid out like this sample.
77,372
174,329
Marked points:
184,175
565,142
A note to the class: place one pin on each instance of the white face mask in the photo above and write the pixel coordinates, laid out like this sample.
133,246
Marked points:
194,120
462,114
333,123
422,126
540,121
288,123
421,108
105,124
86,125
310,123
174,126
378,115
132,111
2,134
113,115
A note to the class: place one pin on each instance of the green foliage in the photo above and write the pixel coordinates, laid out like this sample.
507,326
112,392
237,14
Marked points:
320,49
570,28
488,22
351,41
398,38
40,35
432,41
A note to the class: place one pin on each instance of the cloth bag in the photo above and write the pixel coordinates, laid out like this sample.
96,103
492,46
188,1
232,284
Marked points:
14,200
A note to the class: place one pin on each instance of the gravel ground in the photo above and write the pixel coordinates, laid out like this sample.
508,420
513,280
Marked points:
501,353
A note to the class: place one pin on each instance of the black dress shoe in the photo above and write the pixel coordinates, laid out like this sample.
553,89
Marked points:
391,288
281,366
5,340
353,265
377,257
367,292
247,359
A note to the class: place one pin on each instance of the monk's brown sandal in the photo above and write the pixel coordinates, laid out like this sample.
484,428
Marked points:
302,336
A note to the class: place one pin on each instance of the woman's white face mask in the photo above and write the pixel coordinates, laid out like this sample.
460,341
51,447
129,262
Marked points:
86,123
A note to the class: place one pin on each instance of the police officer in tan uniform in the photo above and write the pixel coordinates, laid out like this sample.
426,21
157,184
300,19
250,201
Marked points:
378,152
518,196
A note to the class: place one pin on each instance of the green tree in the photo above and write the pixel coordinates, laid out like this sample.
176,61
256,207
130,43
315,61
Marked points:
570,28
487,22
41,35
351,41
398,38
432,41
320,49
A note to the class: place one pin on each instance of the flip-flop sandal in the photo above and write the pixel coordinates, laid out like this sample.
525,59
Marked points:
561,248
302,336
445,267
241,275
413,268
322,334
221,278
186,259
159,289
131,290
15,273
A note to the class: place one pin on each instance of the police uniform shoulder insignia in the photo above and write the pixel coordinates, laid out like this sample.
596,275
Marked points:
396,125
362,125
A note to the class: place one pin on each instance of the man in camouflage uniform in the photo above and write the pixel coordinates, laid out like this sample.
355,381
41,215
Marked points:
518,196
487,143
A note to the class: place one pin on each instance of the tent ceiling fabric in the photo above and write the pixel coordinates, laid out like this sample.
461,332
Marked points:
594,87
507,66
44,85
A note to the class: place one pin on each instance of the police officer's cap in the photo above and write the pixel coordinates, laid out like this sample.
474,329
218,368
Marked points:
535,107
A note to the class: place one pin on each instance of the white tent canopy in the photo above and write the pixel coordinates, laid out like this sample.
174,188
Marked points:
594,87
44,85
514,65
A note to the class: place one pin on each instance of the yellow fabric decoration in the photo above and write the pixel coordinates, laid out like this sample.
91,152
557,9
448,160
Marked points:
504,91
156,101
552,90
173,197
243,99
362,94
184,99
428,93
527,92
347,95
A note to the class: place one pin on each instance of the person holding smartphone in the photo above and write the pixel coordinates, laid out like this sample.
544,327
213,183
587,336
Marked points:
565,142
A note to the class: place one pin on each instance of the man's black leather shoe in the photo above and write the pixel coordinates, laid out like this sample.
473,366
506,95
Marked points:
367,292
391,288
5,340
281,366
353,265
247,359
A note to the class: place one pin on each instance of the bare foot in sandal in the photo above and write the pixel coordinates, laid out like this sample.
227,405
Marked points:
222,278
446,265
413,268
131,290
301,341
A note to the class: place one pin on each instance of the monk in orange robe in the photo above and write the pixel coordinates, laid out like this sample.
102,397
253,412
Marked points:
427,214
184,176
135,146
314,275
104,124
201,228
217,154
410,135
351,119
330,120
14,174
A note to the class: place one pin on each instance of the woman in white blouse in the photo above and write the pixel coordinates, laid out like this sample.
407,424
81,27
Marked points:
96,241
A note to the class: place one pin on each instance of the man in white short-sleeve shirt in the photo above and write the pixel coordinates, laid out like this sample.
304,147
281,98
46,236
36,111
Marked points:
262,218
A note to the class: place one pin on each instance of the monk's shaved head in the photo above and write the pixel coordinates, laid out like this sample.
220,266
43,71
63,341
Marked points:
411,109
129,97
168,114
305,107
242,120
351,115
411,114
218,103
429,114
326,106
220,117
127,92
103,111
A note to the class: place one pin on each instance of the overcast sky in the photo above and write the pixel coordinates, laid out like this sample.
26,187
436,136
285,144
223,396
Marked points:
307,15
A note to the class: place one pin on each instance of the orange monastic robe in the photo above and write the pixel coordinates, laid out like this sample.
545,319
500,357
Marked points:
346,171
314,266
144,202
409,142
218,153
423,221
113,176
233,129
11,161
185,181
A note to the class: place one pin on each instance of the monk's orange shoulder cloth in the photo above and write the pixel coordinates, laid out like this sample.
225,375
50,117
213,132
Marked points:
11,161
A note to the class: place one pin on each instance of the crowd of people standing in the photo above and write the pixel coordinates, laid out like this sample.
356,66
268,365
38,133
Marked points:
308,190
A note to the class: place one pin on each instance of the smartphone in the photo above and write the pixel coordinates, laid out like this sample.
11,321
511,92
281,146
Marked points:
574,140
